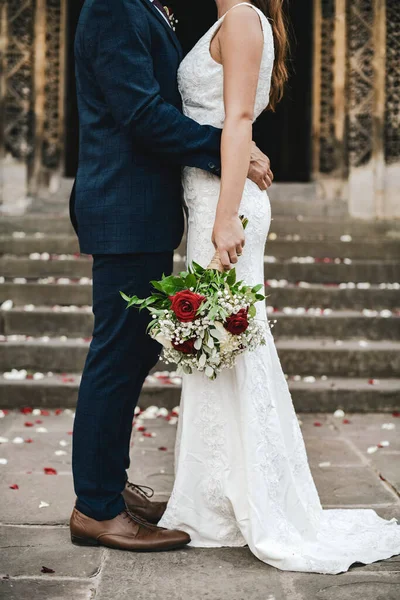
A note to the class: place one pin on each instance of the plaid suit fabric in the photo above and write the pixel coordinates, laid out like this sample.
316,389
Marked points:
134,138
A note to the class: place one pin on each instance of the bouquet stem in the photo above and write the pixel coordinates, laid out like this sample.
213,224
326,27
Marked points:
216,263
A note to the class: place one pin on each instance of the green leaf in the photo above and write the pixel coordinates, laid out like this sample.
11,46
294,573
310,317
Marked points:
209,371
231,278
198,343
157,285
125,297
191,281
260,297
257,288
252,311
197,268
218,335
172,284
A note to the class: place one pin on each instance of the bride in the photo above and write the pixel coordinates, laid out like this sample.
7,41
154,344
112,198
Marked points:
242,474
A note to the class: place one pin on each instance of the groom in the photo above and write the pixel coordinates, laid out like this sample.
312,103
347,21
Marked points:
126,208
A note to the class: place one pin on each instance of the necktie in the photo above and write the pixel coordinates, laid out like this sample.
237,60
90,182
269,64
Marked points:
160,7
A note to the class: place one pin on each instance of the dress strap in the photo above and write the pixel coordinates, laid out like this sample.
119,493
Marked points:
240,4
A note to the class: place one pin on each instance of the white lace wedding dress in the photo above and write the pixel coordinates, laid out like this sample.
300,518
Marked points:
242,474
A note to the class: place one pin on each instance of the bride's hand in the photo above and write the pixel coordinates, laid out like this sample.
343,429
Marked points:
228,238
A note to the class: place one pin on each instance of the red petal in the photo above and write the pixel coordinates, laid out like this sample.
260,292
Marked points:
317,424
163,448
346,421
38,421
50,471
26,410
141,429
14,486
29,376
28,424
147,435
396,413
47,570
59,411
28,441
70,432
45,413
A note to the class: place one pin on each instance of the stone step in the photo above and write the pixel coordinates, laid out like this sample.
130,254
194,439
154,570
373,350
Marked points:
305,226
375,249
37,223
349,394
315,272
44,321
299,356
314,295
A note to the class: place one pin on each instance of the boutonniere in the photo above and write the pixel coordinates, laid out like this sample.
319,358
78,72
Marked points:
171,17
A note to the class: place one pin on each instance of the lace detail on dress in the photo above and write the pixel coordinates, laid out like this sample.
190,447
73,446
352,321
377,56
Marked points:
242,473
200,77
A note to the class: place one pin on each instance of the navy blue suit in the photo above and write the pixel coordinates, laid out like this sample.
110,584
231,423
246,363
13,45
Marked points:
127,209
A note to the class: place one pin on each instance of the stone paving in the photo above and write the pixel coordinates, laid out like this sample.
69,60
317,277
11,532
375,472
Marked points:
354,459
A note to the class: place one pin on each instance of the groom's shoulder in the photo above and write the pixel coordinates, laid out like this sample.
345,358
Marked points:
96,14
94,6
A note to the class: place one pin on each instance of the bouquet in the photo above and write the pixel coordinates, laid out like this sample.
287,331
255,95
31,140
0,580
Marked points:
203,318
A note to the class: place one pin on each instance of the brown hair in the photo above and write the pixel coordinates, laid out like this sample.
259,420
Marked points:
273,9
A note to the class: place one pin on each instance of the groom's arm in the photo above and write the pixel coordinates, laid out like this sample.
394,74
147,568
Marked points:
123,66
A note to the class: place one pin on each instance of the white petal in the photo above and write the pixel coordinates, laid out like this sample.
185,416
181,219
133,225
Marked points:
339,413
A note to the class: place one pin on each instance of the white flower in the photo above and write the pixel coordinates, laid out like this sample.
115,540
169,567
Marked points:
161,339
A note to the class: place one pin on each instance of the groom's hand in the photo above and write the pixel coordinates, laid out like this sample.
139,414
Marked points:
260,168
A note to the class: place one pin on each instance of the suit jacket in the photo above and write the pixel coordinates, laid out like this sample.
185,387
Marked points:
134,138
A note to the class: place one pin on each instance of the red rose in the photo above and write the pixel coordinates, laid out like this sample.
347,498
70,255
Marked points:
186,347
238,323
185,305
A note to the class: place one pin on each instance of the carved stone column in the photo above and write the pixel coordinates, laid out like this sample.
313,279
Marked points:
16,19
392,111
49,80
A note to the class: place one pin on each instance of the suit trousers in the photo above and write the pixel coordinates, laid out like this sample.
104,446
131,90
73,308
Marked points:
120,357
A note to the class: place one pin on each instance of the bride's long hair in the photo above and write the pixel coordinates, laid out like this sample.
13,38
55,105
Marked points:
273,9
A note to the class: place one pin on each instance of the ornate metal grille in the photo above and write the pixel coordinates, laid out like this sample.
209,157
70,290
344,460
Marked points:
360,51
392,116
18,78
327,146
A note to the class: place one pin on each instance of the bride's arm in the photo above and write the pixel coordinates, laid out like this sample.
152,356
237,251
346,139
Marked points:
239,46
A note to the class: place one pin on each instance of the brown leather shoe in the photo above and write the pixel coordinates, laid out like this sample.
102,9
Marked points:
125,532
137,499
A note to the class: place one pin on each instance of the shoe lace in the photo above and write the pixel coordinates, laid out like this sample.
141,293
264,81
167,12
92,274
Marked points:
132,518
144,490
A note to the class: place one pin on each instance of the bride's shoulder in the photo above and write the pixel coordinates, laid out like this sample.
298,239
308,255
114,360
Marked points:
243,17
